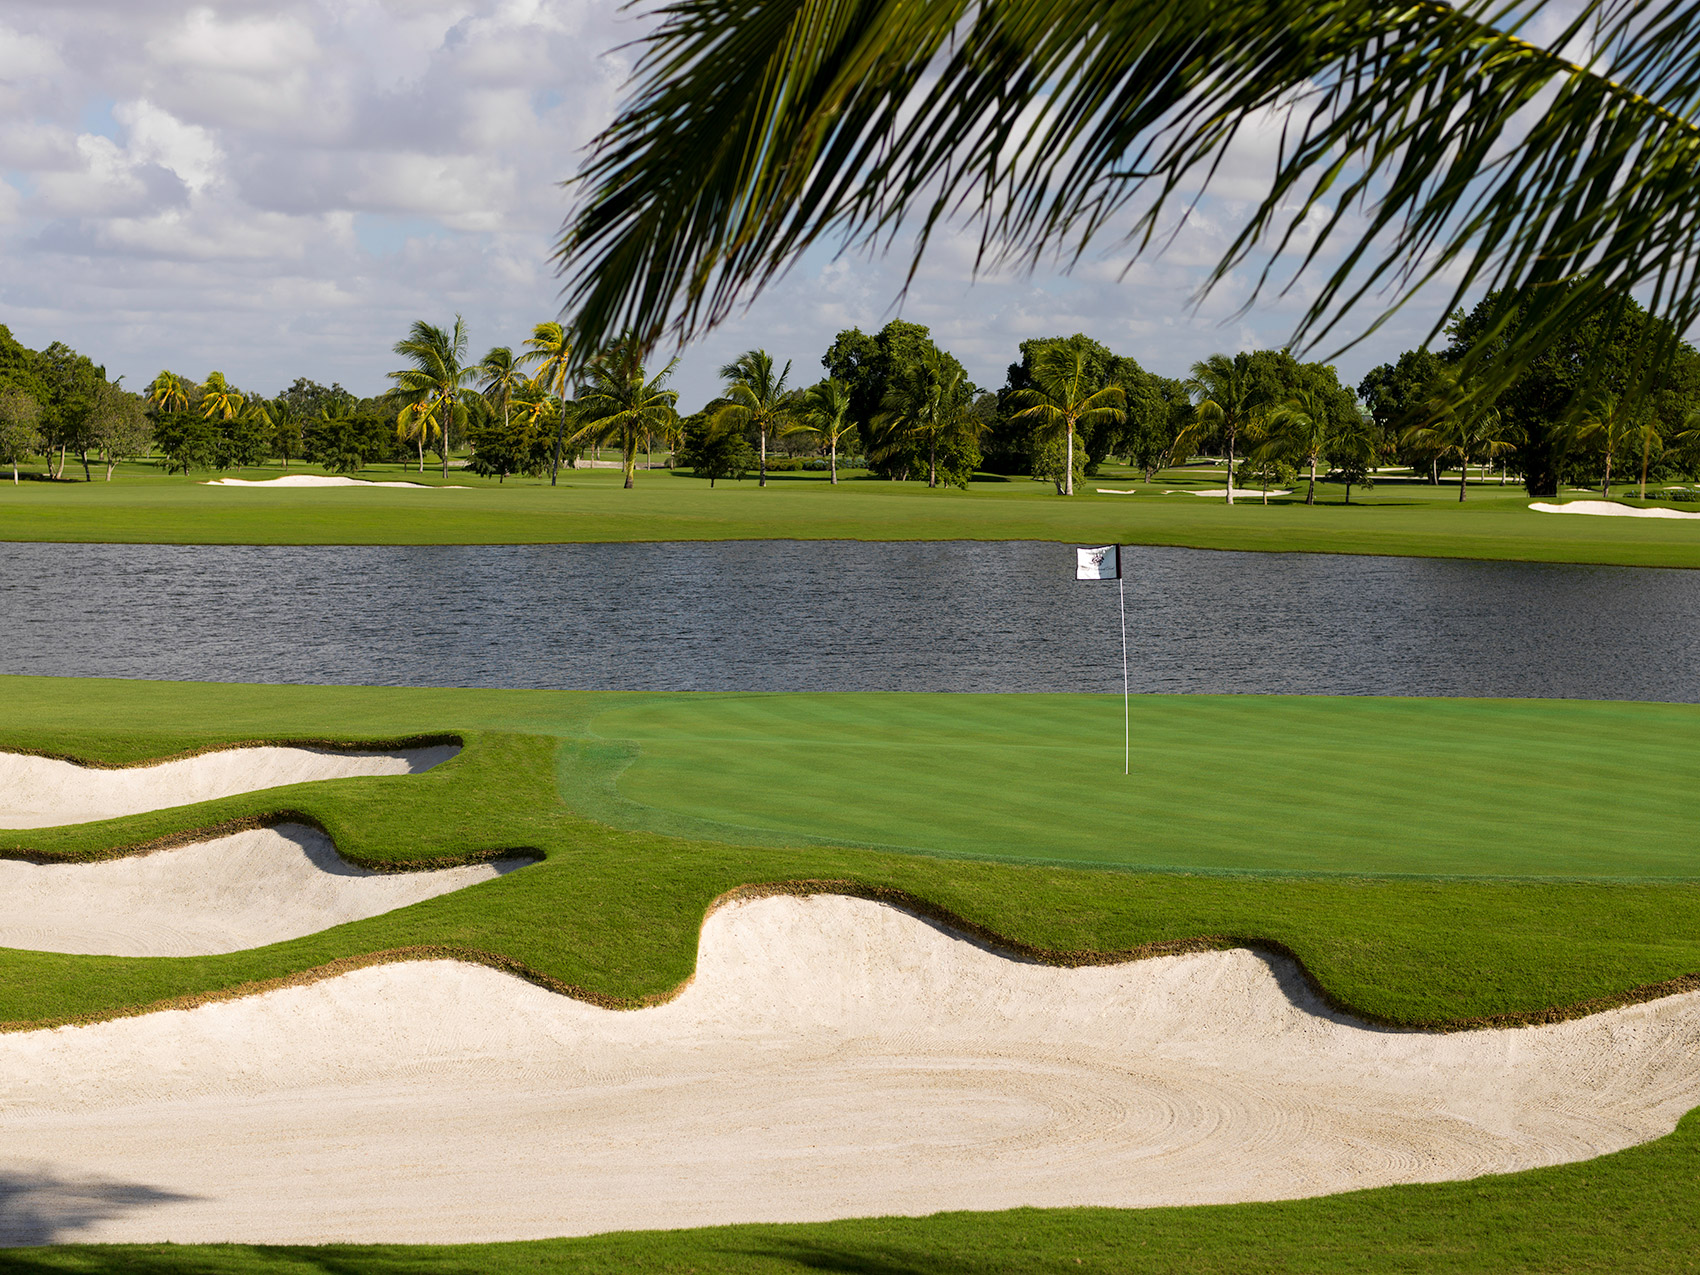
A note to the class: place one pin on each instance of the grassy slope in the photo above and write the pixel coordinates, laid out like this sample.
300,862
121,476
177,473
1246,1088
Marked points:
1633,1211
616,912
589,505
1219,782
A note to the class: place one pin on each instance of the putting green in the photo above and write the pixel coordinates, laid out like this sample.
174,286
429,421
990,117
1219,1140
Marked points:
1438,786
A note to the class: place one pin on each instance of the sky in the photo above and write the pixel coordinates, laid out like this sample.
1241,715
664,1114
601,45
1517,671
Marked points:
279,189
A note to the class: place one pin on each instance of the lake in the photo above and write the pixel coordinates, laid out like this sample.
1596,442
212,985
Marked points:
847,616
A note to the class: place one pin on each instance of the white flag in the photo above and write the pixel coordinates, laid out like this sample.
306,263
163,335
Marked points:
1104,563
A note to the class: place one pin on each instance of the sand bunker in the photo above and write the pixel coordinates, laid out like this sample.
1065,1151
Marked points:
833,1058
320,480
1608,509
39,792
245,890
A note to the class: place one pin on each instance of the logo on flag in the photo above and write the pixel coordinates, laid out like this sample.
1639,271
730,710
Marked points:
1103,563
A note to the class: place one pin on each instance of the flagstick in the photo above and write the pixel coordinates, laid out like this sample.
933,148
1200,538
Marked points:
1127,722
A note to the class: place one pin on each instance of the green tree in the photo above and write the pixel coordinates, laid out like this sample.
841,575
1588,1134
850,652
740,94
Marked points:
19,413
714,446
336,440
1227,395
826,414
1460,425
1068,396
619,401
758,401
927,411
873,368
71,380
1158,410
1301,427
1613,423
429,389
118,426
550,348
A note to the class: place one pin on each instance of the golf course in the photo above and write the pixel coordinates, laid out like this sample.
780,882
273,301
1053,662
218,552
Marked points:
645,833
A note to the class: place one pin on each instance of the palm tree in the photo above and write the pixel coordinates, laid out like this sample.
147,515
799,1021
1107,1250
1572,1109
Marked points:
1612,421
1301,426
1422,144
826,412
927,407
499,376
1064,399
551,348
220,400
1226,404
168,393
1460,425
430,388
757,399
620,401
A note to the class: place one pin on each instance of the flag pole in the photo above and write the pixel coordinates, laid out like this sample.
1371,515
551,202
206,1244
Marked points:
1127,720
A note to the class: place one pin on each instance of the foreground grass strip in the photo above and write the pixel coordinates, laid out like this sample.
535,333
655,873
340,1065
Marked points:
146,507
614,914
1632,1211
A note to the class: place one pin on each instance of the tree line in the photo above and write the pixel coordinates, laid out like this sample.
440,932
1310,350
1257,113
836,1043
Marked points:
896,403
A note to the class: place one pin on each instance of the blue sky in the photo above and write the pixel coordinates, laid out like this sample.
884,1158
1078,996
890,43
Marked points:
279,189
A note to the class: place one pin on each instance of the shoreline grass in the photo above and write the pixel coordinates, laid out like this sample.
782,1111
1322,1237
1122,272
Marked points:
1397,518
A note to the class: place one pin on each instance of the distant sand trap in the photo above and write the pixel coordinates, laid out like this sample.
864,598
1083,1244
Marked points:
1240,491
832,1058
39,792
320,480
245,890
1608,509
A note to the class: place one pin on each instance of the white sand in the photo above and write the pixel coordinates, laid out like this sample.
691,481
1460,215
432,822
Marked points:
1221,492
38,792
1608,509
223,895
833,1058
320,480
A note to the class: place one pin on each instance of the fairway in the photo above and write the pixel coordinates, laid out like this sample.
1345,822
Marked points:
1400,518
1559,788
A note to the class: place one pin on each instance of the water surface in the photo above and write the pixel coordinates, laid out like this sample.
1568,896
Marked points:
846,616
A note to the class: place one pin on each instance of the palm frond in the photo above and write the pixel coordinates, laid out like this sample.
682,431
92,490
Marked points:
1426,143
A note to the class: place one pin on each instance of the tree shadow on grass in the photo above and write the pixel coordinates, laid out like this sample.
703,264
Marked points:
39,1207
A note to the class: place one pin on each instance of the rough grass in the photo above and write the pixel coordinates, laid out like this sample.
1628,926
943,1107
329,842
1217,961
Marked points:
1401,518
1632,1211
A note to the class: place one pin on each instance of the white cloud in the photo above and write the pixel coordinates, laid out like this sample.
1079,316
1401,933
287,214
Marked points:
279,188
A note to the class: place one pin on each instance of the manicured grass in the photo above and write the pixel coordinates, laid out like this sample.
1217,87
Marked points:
1633,1211
614,914
1401,518
1562,788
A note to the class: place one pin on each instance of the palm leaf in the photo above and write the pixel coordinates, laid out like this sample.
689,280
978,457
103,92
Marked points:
1434,143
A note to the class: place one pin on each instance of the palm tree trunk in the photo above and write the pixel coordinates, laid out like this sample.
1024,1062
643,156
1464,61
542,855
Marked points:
835,460
763,432
420,444
1605,487
448,417
1463,476
1310,496
1646,447
933,462
1231,467
560,438
1068,473
630,457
